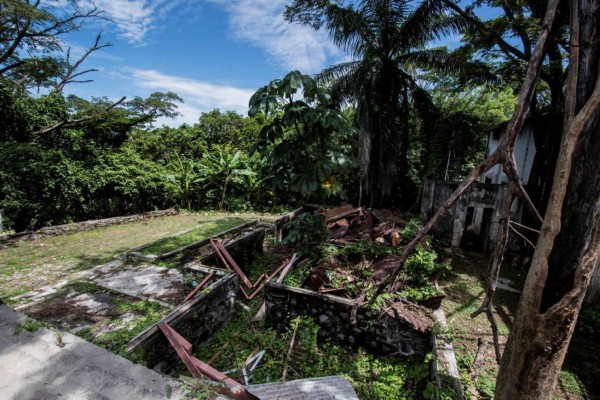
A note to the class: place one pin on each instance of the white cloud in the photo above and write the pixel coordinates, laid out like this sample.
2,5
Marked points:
261,23
134,19
78,50
199,96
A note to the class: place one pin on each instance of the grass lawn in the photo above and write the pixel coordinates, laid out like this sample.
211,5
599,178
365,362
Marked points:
31,264
205,230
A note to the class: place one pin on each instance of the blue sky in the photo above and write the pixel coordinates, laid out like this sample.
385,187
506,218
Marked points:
212,53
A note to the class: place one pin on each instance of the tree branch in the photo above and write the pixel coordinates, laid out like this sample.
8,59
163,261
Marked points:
66,123
70,72
503,44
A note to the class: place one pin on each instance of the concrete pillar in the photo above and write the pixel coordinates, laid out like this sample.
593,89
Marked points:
460,216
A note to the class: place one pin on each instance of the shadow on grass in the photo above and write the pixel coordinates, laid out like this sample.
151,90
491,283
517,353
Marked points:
469,281
580,377
85,262
583,357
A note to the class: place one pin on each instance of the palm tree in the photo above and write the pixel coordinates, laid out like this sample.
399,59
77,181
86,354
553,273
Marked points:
387,40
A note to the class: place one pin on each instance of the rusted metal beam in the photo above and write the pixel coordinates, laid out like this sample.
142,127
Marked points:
287,269
339,212
195,366
228,262
253,294
182,347
197,288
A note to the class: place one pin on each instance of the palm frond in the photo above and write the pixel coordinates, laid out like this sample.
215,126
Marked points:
429,21
349,29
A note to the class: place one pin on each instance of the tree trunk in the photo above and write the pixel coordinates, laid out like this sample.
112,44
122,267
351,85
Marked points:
548,308
593,294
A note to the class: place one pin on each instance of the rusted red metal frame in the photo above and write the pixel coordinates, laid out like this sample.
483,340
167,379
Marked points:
229,263
338,213
197,288
267,280
195,366
225,258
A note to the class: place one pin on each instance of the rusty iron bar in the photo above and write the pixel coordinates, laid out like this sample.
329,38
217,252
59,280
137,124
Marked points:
195,366
228,262
197,288
253,294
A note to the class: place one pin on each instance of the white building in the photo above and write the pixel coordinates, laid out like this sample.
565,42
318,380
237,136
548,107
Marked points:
477,211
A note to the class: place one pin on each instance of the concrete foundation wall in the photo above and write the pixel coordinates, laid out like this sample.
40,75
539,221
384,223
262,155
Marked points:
242,250
379,334
197,321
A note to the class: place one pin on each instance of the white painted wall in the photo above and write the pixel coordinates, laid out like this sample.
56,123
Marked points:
524,154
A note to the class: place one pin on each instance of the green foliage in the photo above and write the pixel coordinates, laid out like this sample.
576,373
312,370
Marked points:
589,321
201,390
221,169
39,186
453,139
569,381
389,42
307,141
411,229
126,183
372,377
184,173
30,325
361,250
298,275
417,271
306,228
227,128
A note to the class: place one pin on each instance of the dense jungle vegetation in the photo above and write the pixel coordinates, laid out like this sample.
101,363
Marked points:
65,158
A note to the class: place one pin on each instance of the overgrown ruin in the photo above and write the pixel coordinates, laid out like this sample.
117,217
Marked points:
196,291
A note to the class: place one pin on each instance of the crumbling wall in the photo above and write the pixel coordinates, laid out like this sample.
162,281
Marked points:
197,321
434,196
480,197
379,333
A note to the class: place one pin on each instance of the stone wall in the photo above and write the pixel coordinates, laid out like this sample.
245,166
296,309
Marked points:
379,334
85,225
197,320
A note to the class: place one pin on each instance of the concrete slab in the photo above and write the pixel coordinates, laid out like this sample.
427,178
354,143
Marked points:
326,388
147,280
33,366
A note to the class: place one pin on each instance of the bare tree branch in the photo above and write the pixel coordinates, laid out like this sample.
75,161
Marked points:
506,47
71,68
512,228
36,27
